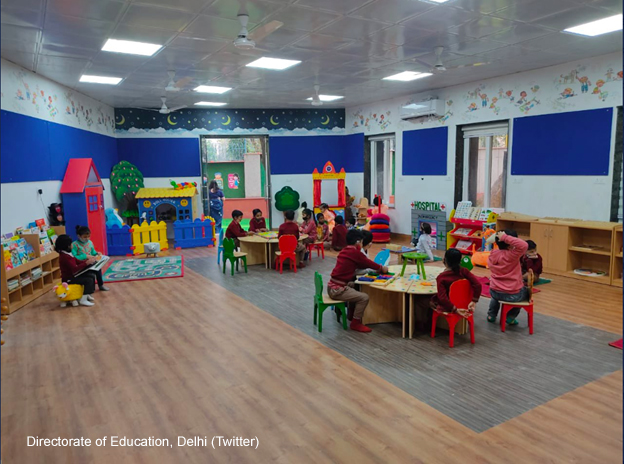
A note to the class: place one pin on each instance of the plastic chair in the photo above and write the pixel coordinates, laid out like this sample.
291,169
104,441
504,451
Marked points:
419,258
383,257
220,249
460,295
230,253
287,245
526,305
323,301
318,246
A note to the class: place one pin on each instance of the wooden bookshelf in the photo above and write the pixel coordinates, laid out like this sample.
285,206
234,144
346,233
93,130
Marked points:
521,223
29,291
616,262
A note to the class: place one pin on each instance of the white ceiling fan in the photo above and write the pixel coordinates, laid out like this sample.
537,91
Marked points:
316,100
439,67
247,41
164,109
174,86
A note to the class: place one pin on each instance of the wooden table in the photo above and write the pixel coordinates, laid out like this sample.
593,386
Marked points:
404,300
261,250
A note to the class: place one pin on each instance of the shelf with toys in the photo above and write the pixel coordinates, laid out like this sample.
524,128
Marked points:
30,266
468,226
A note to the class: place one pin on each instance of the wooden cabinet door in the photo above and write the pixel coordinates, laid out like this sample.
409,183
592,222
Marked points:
558,248
540,235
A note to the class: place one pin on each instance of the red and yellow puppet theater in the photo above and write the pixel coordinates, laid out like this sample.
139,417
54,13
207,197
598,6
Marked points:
329,172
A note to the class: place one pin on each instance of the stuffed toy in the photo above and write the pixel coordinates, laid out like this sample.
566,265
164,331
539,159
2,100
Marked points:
113,218
68,293
55,214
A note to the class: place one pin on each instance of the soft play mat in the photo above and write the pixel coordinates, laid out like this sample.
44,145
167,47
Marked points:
145,269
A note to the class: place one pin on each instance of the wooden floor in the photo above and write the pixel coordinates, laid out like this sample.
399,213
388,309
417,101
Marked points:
184,357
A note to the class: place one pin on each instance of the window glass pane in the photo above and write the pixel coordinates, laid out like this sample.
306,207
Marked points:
476,180
499,172
379,168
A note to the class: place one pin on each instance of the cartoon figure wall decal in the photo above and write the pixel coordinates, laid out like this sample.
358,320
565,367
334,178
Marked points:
585,83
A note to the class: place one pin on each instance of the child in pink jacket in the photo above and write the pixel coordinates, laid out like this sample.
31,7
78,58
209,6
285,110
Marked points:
506,282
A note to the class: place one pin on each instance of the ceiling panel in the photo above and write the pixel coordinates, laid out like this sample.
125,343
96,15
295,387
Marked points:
142,34
305,19
257,10
353,28
321,43
191,6
17,46
23,4
280,38
519,33
101,10
156,17
78,26
63,40
570,18
530,11
392,11
440,19
342,6
20,34
197,44
22,17
214,27
26,60
399,35
613,6
480,27
485,6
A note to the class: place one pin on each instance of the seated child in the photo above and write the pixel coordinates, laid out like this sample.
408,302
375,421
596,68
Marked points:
339,235
367,242
506,274
235,230
341,287
348,224
452,273
290,227
257,222
70,266
531,260
329,216
322,230
83,248
425,241
308,227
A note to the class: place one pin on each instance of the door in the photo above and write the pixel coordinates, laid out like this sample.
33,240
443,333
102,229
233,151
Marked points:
540,235
558,248
96,218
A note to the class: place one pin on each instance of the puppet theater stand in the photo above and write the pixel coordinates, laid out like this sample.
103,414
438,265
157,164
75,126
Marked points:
329,173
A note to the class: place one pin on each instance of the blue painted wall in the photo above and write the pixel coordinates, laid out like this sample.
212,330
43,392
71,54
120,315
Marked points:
37,150
425,152
162,157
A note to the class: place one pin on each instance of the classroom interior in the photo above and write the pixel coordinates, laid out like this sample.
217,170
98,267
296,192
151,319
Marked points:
470,116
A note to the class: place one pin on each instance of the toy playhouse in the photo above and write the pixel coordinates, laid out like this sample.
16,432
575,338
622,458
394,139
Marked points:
168,204
83,201
329,172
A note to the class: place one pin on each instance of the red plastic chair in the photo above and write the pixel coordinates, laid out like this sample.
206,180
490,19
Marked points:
460,295
318,246
287,245
526,305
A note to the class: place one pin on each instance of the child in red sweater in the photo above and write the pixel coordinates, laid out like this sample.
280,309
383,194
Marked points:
506,283
308,227
339,234
341,287
531,260
257,222
290,227
235,230
70,266
452,273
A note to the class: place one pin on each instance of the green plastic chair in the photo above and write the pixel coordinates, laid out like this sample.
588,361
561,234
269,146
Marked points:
322,302
419,258
230,253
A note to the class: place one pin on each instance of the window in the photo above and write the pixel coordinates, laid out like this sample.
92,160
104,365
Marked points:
382,167
485,165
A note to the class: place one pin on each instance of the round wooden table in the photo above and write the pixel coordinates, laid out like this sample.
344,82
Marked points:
260,250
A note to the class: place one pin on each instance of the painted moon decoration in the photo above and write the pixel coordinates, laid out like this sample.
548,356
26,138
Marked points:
227,123
171,122
120,123
273,122
326,122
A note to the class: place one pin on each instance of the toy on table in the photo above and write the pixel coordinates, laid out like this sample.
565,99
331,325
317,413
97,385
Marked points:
68,293
383,257
270,235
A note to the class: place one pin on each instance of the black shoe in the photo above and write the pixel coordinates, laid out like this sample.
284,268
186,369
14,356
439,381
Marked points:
338,314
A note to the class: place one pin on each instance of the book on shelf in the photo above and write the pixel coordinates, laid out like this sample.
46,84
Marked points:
463,245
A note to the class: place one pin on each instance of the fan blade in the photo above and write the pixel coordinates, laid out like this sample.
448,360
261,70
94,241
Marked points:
474,65
424,63
261,32
176,108
182,82
147,109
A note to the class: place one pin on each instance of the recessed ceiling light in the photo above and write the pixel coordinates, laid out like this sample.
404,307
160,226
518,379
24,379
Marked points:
599,27
327,98
210,104
100,79
131,48
406,76
434,1
273,63
211,89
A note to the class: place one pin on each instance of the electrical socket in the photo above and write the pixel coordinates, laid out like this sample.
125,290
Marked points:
40,191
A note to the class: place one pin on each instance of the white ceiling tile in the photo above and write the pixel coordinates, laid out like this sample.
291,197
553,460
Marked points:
191,6
67,51
21,17
474,47
156,17
406,52
481,27
399,35
321,42
530,11
280,38
555,39
101,10
34,5
614,6
21,34
257,10
441,39
353,28
214,27
142,34
305,19
440,18
485,6
571,18
25,60
342,6
519,33
69,40
63,24
17,46
391,11
511,52
188,42
364,49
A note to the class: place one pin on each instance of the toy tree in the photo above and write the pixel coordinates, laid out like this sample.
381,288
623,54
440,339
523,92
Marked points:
126,180
286,199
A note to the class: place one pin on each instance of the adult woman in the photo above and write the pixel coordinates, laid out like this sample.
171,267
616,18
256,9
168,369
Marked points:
215,195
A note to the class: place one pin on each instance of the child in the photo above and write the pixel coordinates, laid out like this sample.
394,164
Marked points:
234,230
82,249
531,260
425,241
506,279
290,227
308,227
367,241
452,273
348,224
340,286
322,230
329,216
339,235
257,223
70,266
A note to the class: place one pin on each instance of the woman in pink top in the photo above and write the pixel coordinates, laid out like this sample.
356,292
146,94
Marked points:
506,282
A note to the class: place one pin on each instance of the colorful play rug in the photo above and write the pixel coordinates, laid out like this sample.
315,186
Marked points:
145,269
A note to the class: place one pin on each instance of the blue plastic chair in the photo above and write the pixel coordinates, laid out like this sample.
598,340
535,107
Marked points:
220,249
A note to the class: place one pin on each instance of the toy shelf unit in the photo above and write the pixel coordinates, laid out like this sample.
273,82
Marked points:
467,233
521,223
27,282
616,264
590,251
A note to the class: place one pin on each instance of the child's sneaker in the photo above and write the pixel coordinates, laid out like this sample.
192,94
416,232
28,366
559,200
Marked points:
491,319
511,321
104,288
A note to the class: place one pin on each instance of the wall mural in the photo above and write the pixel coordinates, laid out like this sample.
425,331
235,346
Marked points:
587,85
26,93
132,121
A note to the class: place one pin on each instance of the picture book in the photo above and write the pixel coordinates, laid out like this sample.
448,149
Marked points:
268,235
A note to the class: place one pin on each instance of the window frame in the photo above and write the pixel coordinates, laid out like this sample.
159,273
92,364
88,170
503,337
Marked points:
389,144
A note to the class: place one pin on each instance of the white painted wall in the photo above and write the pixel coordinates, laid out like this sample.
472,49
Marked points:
549,90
